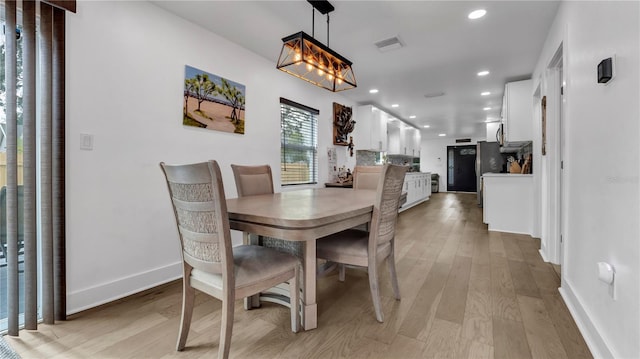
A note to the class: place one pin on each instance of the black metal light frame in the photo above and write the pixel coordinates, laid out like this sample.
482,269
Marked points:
308,59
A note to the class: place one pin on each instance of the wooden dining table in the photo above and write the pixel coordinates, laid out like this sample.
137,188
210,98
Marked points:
303,215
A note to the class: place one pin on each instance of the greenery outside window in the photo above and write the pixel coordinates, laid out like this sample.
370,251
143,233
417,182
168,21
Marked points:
298,143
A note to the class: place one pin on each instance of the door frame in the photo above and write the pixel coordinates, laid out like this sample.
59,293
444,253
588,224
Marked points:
470,145
556,215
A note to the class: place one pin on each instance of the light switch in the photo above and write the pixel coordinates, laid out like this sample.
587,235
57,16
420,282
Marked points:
86,142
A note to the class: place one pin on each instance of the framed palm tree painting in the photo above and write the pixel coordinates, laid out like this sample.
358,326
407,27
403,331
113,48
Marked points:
213,102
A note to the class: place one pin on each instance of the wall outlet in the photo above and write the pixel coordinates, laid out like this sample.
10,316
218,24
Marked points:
86,142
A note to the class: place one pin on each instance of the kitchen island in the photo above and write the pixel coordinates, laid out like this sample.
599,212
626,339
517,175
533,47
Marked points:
508,202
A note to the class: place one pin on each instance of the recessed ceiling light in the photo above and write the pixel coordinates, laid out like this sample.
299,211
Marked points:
477,14
426,126
486,93
487,108
412,116
373,91
395,105
483,73
442,135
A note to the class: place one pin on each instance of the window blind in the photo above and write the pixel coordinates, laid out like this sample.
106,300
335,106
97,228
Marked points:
32,101
298,143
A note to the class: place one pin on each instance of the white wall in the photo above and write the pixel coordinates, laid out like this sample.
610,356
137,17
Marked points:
125,76
433,156
601,182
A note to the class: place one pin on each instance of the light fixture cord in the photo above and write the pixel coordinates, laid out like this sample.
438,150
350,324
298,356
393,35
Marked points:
327,30
313,22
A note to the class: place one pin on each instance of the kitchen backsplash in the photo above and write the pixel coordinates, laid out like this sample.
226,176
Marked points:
368,158
372,158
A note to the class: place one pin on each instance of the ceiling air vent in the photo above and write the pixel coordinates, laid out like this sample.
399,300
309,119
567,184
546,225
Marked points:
434,94
392,43
463,140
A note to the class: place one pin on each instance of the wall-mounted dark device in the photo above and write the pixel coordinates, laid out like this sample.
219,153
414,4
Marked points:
605,70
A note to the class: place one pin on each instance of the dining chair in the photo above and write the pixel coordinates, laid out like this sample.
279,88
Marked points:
368,249
366,177
210,263
253,181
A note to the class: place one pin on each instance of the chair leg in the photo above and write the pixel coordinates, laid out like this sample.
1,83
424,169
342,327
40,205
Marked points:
294,300
375,292
226,328
188,300
341,272
391,262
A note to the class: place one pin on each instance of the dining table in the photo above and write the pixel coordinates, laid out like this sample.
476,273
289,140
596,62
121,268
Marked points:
303,216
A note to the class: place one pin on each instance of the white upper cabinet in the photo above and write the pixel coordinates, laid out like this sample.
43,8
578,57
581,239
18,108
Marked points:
370,132
517,111
417,137
412,141
394,138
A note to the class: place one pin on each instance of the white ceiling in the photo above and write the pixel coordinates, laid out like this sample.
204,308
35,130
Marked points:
443,51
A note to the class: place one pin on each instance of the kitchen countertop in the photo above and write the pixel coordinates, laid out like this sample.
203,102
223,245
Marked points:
489,174
339,185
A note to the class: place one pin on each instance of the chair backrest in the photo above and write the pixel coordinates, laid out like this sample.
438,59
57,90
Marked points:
253,180
200,208
385,208
366,177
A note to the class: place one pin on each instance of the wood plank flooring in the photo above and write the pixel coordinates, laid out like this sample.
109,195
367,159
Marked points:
466,293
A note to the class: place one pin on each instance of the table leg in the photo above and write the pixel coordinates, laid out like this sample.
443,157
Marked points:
254,300
309,305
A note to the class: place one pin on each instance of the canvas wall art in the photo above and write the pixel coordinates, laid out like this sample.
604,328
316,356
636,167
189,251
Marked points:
343,124
213,102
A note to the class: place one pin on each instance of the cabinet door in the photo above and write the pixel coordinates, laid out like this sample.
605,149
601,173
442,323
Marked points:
362,131
379,130
417,137
518,111
393,143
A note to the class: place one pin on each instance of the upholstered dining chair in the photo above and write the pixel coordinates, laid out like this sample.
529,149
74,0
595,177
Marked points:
253,181
210,263
366,177
369,249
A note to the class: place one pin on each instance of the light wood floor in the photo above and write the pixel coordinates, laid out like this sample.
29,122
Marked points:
466,293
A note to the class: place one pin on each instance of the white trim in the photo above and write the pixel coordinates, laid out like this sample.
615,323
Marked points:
595,341
107,292
543,254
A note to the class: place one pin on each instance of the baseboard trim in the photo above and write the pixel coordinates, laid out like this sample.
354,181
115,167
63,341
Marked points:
506,230
412,204
107,292
596,343
543,254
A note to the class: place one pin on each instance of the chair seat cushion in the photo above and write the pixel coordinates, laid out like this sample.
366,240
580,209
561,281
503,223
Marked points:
259,264
348,247
252,265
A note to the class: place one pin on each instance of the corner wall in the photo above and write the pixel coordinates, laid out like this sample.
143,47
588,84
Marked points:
601,178
125,78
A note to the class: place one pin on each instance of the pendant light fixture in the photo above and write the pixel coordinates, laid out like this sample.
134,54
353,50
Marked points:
305,57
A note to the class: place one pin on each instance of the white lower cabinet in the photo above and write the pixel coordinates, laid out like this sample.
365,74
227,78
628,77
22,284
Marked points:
508,202
418,188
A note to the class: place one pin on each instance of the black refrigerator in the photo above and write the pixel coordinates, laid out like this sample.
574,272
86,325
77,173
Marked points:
488,159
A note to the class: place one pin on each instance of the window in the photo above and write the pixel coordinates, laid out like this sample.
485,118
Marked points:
298,143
